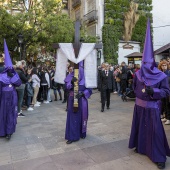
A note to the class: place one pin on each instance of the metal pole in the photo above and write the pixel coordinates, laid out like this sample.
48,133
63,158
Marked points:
20,52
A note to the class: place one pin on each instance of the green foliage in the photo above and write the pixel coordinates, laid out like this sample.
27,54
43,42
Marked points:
110,37
87,38
113,28
145,7
41,25
9,28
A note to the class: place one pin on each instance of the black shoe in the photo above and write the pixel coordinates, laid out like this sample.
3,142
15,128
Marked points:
83,137
63,101
69,141
122,97
161,165
8,137
136,150
108,107
21,115
102,110
50,101
66,110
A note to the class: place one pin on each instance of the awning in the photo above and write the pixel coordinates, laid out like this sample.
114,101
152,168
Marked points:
163,50
134,55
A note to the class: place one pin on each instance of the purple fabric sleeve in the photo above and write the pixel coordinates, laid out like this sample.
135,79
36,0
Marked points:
163,91
15,80
67,81
87,93
69,85
0,90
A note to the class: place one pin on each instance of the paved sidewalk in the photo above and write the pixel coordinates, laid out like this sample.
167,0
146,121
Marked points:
39,144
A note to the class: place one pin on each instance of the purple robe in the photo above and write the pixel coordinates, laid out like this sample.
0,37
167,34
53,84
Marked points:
8,103
147,132
76,124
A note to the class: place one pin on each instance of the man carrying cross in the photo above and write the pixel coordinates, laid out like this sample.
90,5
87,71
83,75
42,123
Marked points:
76,123
78,83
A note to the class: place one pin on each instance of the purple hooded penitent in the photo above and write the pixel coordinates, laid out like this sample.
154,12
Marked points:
148,73
147,132
76,124
9,79
8,62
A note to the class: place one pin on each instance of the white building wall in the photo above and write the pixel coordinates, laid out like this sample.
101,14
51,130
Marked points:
100,12
124,52
158,58
100,23
161,15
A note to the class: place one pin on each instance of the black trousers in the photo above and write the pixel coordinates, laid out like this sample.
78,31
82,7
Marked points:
166,107
42,95
105,97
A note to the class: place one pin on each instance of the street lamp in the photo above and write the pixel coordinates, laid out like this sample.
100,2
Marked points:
20,41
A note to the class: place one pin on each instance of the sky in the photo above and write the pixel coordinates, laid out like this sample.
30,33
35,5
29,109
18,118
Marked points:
161,17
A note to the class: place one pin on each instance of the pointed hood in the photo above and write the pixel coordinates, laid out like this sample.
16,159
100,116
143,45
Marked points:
8,62
148,55
149,74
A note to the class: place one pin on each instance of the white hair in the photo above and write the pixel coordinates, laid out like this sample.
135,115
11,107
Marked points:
23,62
19,63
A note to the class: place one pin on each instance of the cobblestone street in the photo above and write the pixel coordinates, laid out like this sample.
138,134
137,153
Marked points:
39,143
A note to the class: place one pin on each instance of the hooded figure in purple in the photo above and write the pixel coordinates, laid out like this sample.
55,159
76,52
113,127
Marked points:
9,79
76,124
150,85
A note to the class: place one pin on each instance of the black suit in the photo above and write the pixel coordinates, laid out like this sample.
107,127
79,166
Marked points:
106,87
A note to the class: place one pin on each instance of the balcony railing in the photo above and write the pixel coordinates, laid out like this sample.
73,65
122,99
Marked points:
91,16
76,3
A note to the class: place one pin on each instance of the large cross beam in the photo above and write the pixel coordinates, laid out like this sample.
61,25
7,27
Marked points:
76,46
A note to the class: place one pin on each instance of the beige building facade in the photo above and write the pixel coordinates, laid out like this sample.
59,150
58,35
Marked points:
91,15
89,12
14,9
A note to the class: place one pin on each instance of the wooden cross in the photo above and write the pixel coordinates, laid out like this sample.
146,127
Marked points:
76,46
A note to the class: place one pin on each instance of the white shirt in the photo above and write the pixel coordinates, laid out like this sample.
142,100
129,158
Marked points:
47,77
35,80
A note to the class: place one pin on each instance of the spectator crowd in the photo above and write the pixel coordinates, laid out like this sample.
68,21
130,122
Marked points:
121,83
38,85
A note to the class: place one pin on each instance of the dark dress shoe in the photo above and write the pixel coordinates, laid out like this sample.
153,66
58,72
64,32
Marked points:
136,150
8,137
69,141
108,107
122,97
161,165
102,110
64,101
83,137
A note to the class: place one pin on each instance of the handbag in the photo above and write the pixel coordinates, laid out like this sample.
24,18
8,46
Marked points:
117,79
